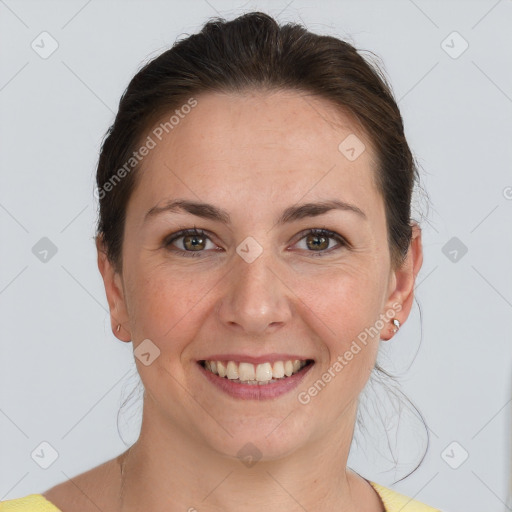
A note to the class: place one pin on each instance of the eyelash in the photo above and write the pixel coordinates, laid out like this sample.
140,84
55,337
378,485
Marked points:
199,232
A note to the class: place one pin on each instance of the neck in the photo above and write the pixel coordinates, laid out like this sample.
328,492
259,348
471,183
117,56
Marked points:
168,469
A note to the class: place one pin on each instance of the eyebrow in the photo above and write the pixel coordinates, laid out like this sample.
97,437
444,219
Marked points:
290,214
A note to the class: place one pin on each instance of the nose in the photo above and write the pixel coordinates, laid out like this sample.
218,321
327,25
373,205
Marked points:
255,298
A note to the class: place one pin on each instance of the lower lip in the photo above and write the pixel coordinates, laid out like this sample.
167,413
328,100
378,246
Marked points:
256,391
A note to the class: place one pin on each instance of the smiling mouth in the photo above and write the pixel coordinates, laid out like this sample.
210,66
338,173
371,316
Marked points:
261,374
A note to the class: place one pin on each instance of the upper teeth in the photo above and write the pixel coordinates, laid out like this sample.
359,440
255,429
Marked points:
263,372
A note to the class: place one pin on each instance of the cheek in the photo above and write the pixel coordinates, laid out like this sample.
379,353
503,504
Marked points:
165,301
342,306
339,309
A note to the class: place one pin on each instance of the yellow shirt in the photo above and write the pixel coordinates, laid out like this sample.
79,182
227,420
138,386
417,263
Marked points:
393,502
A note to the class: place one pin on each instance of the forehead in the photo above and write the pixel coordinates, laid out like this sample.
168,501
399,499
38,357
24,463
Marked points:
271,145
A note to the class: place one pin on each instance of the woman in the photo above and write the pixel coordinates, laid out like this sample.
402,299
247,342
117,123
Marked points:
255,244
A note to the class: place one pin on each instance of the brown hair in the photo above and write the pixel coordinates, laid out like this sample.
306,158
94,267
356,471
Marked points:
254,52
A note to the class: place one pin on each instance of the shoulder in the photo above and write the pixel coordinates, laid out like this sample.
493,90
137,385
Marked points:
96,489
30,503
395,502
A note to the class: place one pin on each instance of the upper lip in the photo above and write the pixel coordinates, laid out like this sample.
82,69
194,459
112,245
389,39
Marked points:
268,358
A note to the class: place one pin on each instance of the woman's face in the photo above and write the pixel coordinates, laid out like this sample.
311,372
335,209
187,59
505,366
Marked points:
255,283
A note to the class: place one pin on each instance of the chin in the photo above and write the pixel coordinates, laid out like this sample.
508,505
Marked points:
258,439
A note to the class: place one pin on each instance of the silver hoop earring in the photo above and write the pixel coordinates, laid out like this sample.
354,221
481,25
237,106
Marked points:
396,323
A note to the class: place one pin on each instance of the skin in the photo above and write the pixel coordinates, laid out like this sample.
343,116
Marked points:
252,154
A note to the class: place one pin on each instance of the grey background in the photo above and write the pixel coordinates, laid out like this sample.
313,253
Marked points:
63,375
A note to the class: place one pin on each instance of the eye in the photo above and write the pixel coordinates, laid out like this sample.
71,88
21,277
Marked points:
318,241
193,242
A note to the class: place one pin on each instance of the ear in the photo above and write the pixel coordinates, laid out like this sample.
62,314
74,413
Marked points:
113,283
401,288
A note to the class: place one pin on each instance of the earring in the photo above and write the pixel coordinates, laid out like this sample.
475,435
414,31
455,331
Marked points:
118,328
396,323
